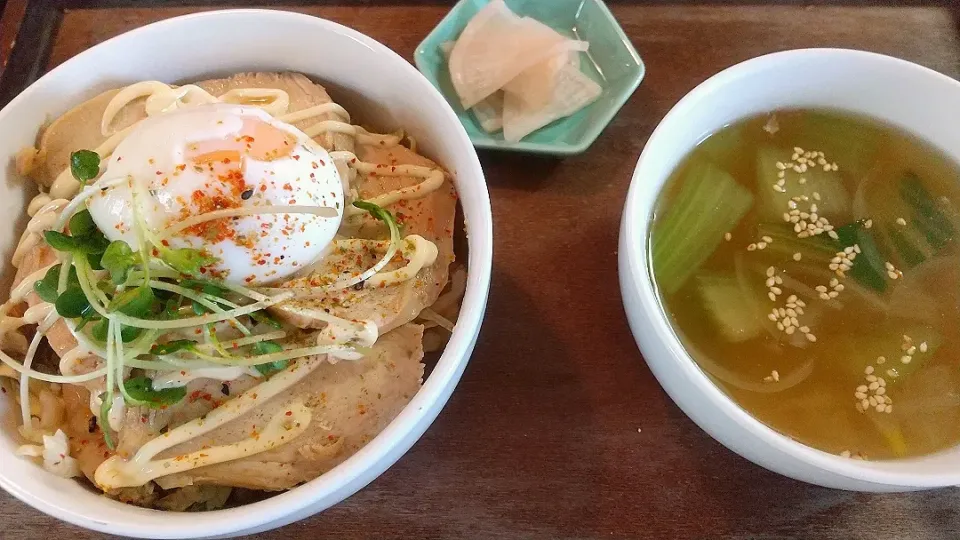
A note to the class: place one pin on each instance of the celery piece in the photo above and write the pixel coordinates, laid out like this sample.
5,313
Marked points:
869,268
731,308
834,201
709,203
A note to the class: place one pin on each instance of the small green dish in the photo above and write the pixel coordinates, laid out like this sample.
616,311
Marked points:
611,61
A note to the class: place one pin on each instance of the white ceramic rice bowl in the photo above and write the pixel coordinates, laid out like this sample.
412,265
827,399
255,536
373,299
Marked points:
390,92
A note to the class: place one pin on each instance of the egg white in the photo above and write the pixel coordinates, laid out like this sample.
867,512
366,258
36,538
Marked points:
263,248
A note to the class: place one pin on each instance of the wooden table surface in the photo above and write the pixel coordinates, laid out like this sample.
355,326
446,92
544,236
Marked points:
558,429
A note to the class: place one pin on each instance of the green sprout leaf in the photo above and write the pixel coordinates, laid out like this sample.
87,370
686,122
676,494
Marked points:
59,241
72,303
82,224
84,165
127,333
134,302
46,288
118,259
78,245
269,347
140,389
378,213
171,347
186,260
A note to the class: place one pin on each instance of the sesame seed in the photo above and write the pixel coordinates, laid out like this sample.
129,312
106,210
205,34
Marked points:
775,375
771,271
797,256
901,221
881,407
889,266
867,224
772,317
923,347
892,275
868,370
865,403
770,282
821,288
781,166
873,401
816,196
751,247
776,290
906,359
892,373
773,297
790,330
792,204
833,235
779,188
761,245
811,338
912,350
862,388
880,390
727,237
767,239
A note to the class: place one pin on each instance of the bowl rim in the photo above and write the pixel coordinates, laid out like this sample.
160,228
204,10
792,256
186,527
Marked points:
545,148
637,279
394,440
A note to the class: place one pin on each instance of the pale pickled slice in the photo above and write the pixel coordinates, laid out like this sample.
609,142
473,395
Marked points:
488,111
537,83
573,91
496,46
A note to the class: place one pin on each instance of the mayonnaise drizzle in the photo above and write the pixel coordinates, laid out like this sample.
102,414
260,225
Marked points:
117,472
171,379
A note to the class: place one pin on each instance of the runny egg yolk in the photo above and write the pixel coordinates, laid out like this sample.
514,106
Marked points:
184,165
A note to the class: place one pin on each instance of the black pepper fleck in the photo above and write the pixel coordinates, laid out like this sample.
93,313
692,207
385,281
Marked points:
246,194
225,389
92,424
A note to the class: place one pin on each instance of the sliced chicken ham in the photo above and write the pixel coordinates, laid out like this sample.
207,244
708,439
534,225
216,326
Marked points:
431,217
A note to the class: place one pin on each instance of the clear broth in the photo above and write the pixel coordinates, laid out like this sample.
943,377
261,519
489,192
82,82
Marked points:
813,397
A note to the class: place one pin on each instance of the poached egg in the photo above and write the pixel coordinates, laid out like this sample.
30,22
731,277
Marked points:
179,166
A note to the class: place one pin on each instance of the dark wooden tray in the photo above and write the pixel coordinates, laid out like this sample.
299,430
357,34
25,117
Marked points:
558,430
